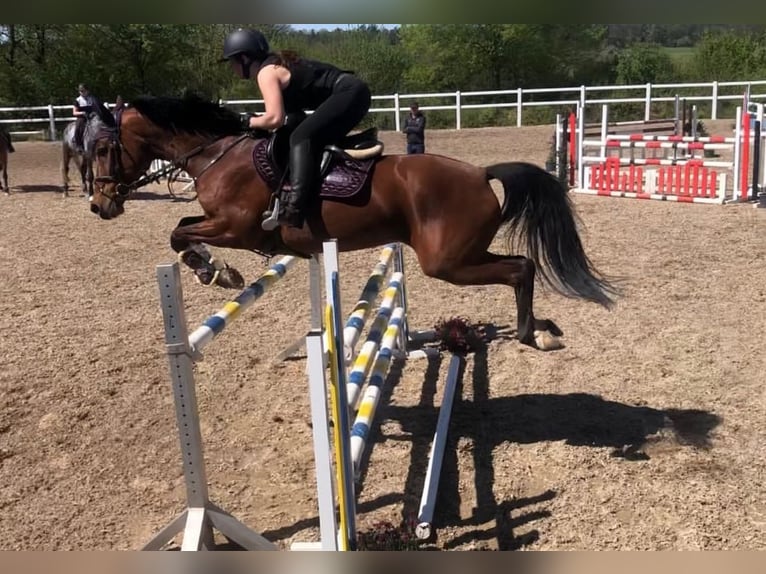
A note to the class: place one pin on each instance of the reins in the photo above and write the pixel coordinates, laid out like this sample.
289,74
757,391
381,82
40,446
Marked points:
176,165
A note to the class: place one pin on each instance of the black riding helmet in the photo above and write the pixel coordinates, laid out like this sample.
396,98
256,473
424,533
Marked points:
245,42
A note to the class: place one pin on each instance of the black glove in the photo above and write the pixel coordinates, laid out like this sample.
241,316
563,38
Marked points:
245,119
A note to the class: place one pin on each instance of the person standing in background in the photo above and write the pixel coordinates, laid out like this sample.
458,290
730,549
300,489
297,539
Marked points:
119,106
414,127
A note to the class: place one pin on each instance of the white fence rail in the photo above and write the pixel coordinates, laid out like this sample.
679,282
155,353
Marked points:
52,118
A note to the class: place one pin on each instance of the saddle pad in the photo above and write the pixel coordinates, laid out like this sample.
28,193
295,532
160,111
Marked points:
346,177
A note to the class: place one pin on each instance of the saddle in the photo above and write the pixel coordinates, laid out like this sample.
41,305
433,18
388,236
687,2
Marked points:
345,168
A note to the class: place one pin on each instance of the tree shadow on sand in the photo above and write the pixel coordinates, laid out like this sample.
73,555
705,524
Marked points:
578,419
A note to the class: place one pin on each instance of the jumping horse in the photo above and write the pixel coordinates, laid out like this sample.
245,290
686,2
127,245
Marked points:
444,209
97,121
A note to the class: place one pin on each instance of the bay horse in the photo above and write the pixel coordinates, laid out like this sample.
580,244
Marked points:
97,121
444,209
6,147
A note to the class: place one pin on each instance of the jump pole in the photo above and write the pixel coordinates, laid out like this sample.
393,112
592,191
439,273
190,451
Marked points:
436,457
337,529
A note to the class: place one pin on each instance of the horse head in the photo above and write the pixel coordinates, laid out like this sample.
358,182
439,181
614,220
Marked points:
100,123
171,129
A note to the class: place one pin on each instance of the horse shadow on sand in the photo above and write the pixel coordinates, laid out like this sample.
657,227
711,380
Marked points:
141,195
578,419
36,188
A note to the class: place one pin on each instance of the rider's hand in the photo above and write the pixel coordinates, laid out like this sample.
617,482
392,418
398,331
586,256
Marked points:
245,119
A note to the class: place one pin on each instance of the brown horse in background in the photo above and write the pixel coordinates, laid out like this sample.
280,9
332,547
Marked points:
6,147
443,208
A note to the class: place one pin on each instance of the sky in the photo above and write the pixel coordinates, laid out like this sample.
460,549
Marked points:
332,26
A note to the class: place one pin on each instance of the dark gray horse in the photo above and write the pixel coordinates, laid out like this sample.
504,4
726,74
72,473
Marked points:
97,122
6,147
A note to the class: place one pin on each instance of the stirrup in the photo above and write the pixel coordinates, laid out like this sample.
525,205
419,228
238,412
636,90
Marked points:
271,218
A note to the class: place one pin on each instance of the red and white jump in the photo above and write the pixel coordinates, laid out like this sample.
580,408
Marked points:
683,175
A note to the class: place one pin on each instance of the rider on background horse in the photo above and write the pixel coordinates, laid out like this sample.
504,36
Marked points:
84,104
290,84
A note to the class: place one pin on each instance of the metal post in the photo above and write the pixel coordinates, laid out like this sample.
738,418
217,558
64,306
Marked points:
52,121
648,107
519,101
756,158
714,103
580,148
397,112
457,110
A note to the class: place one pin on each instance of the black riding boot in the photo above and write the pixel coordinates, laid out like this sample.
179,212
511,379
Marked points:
302,176
79,132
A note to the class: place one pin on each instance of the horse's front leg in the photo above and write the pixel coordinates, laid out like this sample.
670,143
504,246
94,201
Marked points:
89,178
84,175
6,189
187,240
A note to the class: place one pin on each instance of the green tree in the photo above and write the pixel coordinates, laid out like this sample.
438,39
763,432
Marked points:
731,56
642,63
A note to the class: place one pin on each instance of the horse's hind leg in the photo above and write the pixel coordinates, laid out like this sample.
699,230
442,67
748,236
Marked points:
516,271
65,172
187,240
6,189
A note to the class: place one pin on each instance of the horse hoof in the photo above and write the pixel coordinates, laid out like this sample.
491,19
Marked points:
230,278
547,342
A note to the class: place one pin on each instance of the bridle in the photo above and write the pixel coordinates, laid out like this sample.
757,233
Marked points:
116,173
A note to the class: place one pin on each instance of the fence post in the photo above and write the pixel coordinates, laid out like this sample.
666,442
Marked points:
397,109
582,101
52,120
518,107
648,108
457,109
714,103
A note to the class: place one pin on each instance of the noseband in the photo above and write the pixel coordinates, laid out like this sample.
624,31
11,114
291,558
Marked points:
116,173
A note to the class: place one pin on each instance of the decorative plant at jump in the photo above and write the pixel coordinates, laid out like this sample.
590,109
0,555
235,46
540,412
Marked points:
385,536
458,336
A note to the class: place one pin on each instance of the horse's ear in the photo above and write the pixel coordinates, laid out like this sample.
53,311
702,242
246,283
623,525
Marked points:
104,114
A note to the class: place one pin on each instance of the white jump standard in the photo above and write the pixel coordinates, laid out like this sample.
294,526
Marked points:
201,515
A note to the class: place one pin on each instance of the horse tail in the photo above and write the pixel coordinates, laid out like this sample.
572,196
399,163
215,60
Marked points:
538,211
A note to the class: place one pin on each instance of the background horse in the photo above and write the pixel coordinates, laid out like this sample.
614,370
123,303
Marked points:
96,122
5,148
443,208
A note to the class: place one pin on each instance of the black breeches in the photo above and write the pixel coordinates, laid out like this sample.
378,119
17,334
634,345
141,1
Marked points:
337,116
79,129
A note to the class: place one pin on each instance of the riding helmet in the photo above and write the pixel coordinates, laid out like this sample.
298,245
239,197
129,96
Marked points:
249,42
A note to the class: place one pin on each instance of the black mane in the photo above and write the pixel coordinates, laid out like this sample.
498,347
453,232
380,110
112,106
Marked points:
189,114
